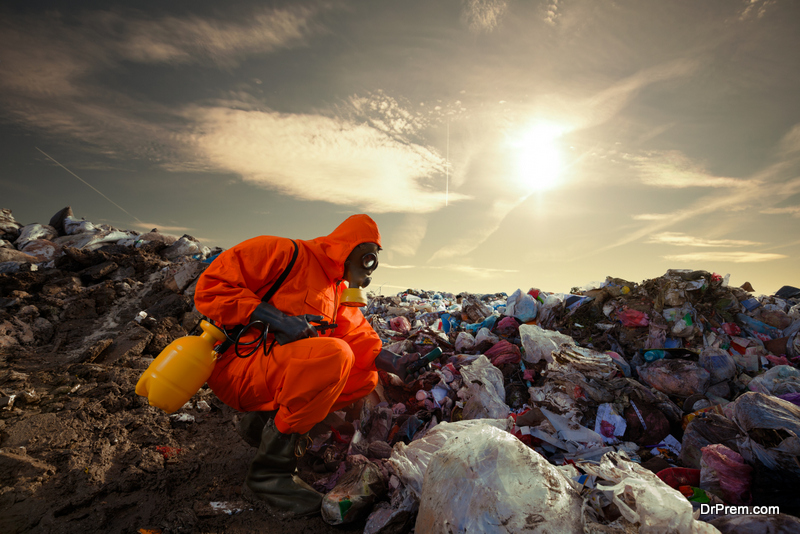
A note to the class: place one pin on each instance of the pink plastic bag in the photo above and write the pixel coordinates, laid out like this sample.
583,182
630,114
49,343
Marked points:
633,318
400,324
724,473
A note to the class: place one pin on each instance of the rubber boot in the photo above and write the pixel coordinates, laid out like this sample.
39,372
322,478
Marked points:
271,479
252,424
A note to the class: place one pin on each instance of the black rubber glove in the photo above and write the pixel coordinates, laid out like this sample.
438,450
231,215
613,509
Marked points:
394,363
286,328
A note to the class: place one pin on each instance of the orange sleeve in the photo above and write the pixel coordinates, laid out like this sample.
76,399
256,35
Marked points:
354,330
228,290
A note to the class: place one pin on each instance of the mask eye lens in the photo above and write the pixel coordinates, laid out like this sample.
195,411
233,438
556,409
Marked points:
369,261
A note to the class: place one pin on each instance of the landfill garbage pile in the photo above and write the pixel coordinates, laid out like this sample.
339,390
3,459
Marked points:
651,407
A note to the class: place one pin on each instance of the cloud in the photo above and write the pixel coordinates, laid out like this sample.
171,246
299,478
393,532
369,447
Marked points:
733,257
672,169
651,216
313,157
161,227
406,237
756,8
483,15
52,67
552,14
791,141
387,266
794,211
482,272
674,238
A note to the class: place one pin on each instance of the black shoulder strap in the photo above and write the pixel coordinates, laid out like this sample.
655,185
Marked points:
269,294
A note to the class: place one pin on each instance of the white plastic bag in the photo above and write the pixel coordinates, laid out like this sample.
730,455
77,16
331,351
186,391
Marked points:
487,481
644,498
522,306
483,392
409,462
540,343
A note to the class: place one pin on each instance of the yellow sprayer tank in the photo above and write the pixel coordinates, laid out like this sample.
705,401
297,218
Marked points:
181,369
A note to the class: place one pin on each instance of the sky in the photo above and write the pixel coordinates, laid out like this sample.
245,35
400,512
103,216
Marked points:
498,144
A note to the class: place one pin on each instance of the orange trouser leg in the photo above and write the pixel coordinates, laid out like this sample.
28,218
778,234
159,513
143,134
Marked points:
307,377
359,384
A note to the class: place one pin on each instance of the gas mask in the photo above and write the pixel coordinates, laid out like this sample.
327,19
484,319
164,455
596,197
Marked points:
358,267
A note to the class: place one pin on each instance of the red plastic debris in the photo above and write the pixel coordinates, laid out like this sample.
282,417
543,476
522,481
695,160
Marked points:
168,452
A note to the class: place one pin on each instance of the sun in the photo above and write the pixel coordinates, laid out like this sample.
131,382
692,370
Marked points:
539,160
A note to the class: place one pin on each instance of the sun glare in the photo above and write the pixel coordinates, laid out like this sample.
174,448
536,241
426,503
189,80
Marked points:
540,161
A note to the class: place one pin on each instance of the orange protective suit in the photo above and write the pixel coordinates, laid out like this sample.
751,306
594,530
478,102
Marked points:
307,379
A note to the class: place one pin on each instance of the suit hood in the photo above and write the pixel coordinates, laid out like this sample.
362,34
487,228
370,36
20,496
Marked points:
332,250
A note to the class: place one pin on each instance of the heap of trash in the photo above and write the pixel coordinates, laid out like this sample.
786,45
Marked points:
670,405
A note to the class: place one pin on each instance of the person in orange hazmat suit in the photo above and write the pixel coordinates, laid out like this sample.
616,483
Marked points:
300,376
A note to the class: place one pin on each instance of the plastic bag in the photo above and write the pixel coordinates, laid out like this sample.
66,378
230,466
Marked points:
682,378
409,462
724,473
642,498
354,494
633,318
570,431
400,324
776,466
609,423
719,364
522,306
483,392
540,343
703,430
503,352
756,524
487,481
779,380
484,334
464,341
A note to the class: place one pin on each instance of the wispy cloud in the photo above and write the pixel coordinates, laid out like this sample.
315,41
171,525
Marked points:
482,272
794,211
406,237
674,238
161,227
756,9
733,257
388,266
551,13
51,68
651,216
483,15
313,157
791,141
672,169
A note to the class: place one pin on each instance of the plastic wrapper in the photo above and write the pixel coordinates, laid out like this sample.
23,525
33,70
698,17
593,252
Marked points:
503,352
484,334
719,364
770,441
483,392
707,429
486,481
400,324
642,498
540,343
724,473
464,341
682,378
522,306
354,494
409,462
779,380
568,430
633,318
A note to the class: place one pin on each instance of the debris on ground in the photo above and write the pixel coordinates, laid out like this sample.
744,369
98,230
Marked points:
651,406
